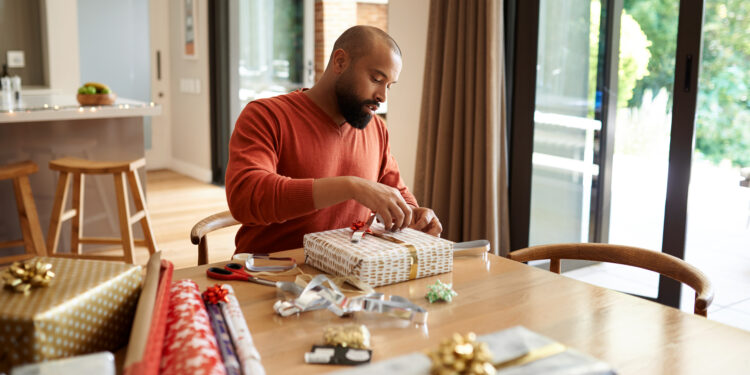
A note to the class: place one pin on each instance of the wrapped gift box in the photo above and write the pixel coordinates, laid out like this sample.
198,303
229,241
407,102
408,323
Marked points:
515,351
87,307
378,261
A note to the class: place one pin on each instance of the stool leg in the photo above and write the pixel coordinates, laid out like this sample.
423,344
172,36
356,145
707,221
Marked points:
124,213
77,223
140,204
27,213
61,196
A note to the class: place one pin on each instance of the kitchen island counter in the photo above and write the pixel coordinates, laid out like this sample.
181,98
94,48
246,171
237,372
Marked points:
47,127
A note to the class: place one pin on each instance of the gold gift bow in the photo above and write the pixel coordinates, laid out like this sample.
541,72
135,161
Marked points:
464,355
414,259
21,277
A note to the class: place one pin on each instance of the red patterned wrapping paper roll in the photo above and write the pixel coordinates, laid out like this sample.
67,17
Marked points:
189,346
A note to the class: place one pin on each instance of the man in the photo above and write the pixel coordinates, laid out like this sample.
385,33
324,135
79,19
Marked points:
319,159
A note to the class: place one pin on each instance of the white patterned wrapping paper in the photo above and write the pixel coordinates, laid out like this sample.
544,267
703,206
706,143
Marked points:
243,341
88,307
377,261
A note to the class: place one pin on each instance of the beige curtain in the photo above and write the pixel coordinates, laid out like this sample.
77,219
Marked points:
461,170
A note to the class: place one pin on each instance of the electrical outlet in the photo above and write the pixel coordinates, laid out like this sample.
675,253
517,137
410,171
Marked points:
16,59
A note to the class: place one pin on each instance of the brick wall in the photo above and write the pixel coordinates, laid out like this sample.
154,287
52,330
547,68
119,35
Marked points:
333,17
373,14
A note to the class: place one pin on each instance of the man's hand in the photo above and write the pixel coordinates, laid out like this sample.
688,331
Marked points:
385,201
425,220
380,198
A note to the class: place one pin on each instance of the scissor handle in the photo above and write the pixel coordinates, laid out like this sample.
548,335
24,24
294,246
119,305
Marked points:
223,274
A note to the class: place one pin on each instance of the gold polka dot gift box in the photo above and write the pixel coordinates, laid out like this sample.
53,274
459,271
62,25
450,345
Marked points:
87,306
379,258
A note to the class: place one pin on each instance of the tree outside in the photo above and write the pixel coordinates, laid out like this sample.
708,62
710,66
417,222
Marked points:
723,112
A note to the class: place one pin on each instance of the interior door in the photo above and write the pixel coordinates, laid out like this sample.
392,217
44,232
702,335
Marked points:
159,149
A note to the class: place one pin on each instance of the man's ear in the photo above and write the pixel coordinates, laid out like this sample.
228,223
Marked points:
340,61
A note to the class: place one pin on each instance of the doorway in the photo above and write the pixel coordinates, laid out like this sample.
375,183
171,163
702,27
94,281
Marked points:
602,142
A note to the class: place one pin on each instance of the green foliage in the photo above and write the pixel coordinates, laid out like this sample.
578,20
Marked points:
723,113
633,58
288,21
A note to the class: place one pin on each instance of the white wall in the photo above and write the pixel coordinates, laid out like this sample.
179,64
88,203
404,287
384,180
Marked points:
190,112
119,57
61,44
407,24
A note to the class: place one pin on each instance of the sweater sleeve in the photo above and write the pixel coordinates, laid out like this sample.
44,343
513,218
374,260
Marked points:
389,173
256,193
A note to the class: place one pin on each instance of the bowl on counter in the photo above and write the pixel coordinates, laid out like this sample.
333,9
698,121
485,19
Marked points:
96,99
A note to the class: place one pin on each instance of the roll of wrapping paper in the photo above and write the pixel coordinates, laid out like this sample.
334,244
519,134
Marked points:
243,342
189,346
221,331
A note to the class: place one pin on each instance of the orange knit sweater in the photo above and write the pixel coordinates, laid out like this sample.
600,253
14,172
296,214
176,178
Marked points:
278,147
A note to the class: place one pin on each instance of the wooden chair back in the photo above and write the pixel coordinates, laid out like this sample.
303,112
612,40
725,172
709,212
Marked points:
204,227
662,263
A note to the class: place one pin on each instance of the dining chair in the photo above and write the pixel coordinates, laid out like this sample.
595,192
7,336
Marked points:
659,262
209,224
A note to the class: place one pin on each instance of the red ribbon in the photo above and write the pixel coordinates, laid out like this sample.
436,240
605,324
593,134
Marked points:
357,225
215,294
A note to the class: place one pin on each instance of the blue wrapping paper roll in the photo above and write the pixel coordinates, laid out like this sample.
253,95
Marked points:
226,348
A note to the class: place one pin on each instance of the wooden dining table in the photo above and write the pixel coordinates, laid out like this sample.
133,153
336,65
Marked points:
633,335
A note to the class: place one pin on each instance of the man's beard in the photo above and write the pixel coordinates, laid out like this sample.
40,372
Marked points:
350,106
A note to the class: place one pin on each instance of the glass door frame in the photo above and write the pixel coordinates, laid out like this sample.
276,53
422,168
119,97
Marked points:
224,74
523,58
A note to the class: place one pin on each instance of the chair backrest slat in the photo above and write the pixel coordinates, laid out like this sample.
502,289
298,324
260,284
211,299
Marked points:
664,264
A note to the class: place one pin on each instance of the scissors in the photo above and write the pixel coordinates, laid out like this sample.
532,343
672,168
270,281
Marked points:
235,271
249,260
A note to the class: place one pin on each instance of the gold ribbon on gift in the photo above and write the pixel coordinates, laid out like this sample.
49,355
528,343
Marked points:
21,277
533,355
464,355
413,258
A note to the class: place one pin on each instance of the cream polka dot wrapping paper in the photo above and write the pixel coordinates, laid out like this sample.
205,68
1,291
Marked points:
87,307
379,261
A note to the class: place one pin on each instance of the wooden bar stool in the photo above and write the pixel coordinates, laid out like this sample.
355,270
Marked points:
120,170
33,239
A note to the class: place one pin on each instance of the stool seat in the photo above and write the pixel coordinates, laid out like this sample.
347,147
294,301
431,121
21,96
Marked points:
125,174
33,240
76,165
15,170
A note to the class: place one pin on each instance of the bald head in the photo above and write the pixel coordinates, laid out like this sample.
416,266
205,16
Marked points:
357,41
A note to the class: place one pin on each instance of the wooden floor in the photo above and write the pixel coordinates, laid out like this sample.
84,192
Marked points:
175,204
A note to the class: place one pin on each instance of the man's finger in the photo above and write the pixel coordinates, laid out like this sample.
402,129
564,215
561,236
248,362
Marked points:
387,219
434,228
398,218
407,214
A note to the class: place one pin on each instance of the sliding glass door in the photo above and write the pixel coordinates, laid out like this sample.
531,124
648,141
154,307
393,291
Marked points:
597,154
271,49
258,49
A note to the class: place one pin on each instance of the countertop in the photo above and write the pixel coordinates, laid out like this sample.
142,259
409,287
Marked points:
34,108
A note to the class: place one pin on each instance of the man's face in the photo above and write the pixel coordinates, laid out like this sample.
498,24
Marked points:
364,84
